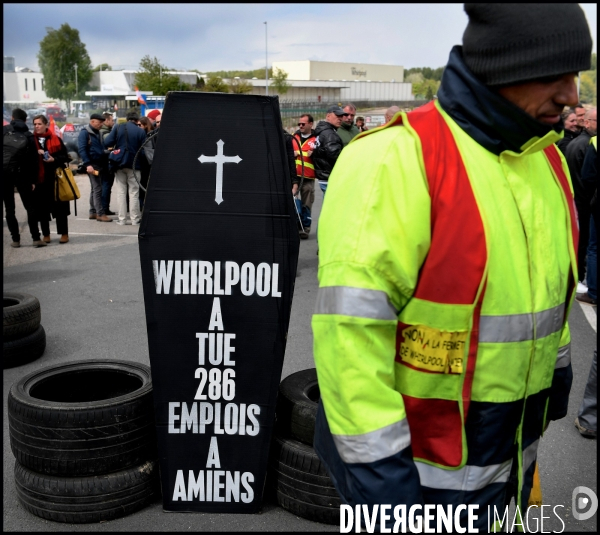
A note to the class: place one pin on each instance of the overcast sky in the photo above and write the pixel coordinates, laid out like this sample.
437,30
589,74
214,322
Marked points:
211,37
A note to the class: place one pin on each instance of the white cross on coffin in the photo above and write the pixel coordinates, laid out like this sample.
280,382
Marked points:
219,159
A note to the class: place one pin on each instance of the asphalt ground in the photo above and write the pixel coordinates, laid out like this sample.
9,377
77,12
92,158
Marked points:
92,305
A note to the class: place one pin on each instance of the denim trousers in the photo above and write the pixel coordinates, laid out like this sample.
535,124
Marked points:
107,183
588,410
307,194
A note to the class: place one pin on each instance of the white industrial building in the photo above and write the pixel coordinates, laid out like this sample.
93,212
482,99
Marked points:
333,70
326,81
338,90
23,88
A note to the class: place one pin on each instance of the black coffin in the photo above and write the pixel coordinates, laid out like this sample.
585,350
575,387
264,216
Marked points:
218,271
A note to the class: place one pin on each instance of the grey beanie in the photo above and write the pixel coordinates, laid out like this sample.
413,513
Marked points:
512,43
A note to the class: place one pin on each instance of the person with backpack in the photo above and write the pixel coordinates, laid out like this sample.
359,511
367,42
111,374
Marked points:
127,139
19,172
52,154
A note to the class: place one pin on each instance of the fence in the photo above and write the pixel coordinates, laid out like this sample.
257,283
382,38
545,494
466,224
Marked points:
292,110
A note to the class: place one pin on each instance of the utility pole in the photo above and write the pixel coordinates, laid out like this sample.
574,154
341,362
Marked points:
76,86
266,63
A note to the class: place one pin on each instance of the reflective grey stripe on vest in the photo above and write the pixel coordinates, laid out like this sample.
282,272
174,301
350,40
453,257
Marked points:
563,359
467,478
519,327
359,302
373,446
530,454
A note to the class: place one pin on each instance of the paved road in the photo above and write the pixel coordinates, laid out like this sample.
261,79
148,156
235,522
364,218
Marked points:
92,307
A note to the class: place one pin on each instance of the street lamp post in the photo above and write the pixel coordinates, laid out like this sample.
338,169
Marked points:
76,86
266,63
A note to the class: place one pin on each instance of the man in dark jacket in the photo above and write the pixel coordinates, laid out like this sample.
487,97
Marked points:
22,175
575,155
109,178
348,130
127,139
91,151
329,145
571,129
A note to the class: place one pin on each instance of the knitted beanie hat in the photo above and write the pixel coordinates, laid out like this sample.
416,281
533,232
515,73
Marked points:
152,115
511,43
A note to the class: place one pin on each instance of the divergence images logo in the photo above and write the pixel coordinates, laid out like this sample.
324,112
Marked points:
584,498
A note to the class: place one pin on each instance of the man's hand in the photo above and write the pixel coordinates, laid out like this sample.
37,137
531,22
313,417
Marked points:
309,153
296,153
41,151
32,187
90,169
294,189
49,159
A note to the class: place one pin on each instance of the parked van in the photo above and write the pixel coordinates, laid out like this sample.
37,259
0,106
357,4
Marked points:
56,112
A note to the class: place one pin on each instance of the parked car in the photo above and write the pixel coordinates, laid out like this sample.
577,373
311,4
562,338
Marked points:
70,134
35,111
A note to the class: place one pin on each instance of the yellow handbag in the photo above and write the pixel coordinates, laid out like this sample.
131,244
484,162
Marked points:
65,187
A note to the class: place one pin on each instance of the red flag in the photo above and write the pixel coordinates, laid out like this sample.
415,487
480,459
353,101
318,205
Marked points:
139,96
54,127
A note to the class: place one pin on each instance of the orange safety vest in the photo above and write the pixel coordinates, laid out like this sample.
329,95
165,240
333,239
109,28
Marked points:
304,164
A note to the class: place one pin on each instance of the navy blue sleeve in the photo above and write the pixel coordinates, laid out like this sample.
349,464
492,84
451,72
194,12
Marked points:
84,151
589,171
559,393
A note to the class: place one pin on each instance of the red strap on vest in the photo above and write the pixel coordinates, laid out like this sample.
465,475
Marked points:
451,274
556,164
456,261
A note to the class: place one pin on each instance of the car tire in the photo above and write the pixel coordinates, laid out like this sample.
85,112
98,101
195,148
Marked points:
21,315
297,455
301,482
297,405
83,418
90,498
23,350
325,496
316,513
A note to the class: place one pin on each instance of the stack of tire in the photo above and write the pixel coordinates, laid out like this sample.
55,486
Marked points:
23,337
84,439
296,474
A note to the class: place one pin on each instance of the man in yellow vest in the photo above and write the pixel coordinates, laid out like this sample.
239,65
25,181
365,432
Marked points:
441,339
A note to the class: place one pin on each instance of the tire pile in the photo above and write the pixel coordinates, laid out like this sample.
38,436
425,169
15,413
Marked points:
84,439
24,338
296,474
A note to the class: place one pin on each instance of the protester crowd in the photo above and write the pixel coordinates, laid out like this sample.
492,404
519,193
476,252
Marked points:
317,149
107,152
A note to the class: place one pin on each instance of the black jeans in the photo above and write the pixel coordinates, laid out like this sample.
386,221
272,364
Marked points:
584,212
108,179
9,182
45,206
